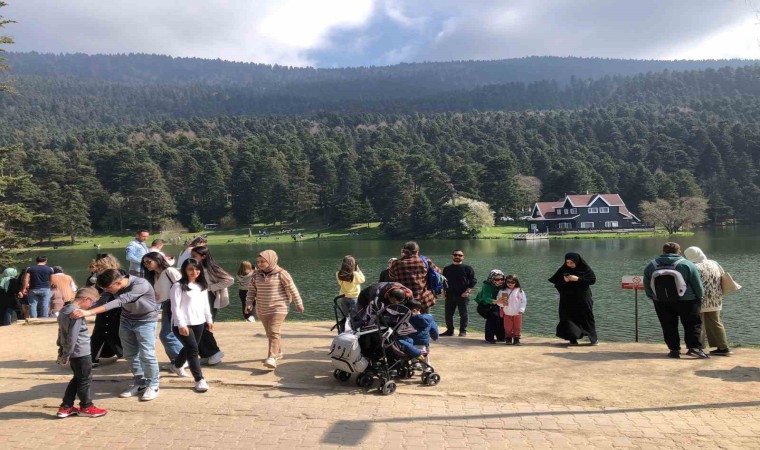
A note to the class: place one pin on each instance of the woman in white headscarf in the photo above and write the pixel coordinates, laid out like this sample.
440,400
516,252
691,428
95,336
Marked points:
712,302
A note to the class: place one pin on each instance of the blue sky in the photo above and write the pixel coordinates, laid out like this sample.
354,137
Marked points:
339,33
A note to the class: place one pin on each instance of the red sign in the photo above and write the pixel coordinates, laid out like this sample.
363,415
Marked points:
634,282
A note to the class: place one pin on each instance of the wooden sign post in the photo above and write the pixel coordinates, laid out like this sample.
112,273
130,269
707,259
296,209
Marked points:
636,283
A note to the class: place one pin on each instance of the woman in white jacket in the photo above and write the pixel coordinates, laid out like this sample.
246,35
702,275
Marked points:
513,301
191,316
219,297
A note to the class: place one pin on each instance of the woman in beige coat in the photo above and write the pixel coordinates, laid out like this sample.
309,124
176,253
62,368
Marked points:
273,290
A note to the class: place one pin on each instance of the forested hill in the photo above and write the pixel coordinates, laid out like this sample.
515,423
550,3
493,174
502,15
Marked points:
401,169
52,105
138,69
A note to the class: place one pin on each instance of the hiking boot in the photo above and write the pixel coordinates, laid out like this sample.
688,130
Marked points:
697,353
516,342
674,354
216,358
134,391
270,362
66,411
508,341
201,386
462,334
721,352
448,333
92,411
150,393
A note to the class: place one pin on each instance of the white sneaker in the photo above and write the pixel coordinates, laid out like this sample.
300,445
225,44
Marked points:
216,358
251,319
133,391
150,393
186,365
270,362
201,386
179,371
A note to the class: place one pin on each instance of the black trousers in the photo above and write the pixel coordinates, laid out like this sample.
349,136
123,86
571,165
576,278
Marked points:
81,383
105,341
494,325
686,310
207,347
189,350
454,301
243,294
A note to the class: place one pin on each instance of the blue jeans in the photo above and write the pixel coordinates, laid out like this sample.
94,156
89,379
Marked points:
138,338
39,298
172,345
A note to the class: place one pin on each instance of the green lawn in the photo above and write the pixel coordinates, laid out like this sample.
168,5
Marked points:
282,233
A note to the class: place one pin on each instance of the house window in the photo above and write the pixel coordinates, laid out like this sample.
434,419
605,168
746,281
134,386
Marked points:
573,211
564,225
534,226
604,210
593,210
587,224
613,224
567,211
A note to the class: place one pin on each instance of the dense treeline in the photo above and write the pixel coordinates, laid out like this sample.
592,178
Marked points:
401,169
45,105
140,69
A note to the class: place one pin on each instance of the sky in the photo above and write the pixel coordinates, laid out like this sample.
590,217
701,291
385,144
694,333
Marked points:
341,33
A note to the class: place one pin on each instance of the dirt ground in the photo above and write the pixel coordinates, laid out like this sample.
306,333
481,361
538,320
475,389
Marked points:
542,371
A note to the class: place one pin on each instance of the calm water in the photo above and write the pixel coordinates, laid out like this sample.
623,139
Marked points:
313,266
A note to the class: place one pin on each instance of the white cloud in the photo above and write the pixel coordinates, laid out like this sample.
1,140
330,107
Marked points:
737,41
266,31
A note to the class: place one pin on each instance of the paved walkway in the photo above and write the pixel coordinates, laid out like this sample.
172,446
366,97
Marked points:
541,395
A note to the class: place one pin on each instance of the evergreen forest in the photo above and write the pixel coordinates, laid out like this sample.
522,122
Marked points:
129,141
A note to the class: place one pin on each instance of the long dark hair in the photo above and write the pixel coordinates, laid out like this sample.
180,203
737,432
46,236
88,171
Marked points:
150,275
200,281
214,270
347,268
513,277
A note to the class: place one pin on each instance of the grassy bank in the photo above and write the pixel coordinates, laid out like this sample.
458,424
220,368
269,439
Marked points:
284,233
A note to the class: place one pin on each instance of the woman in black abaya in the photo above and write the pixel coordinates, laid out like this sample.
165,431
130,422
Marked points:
576,316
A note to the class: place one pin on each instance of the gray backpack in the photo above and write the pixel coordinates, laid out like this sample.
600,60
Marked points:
667,282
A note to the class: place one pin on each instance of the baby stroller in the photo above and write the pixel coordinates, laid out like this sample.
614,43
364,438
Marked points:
377,332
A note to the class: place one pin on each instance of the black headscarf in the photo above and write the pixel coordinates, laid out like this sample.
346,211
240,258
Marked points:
582,270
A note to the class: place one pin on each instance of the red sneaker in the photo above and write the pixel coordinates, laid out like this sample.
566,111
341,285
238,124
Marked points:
64,412
92,411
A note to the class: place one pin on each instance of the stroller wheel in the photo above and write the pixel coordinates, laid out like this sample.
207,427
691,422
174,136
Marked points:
389,388
364,380
432,379
336,373
344,376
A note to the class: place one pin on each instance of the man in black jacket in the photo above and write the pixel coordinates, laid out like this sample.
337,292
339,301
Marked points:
461,280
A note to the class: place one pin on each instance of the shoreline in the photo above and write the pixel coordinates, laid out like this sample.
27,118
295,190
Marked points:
282,235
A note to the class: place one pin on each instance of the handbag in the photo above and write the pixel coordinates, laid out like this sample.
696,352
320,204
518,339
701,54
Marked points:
727,283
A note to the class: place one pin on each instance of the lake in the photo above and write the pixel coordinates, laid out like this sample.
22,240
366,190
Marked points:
313,265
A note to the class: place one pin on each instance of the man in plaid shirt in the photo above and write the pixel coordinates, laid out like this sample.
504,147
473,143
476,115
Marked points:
411,271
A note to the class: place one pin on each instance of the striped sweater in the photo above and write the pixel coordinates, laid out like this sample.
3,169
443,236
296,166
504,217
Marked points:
272,293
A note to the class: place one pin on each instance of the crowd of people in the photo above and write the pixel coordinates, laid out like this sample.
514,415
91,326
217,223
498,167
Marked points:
126,303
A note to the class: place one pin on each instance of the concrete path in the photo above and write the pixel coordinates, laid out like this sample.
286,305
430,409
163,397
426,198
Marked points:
540,395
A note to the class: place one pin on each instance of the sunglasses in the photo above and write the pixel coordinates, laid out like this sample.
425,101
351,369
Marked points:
511,282
458,256
498,279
